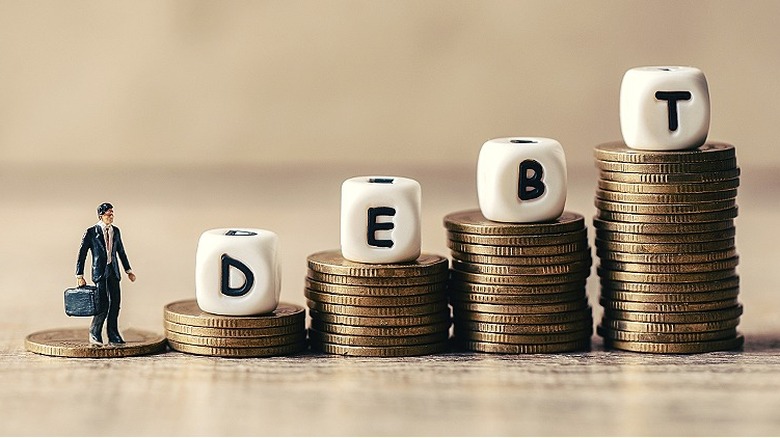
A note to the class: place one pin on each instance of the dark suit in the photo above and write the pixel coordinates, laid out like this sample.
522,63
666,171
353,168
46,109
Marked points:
106,277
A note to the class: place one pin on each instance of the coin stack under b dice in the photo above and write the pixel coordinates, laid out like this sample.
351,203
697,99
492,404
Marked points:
665,240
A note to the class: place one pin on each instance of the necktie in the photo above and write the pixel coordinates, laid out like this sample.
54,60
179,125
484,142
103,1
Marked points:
108,244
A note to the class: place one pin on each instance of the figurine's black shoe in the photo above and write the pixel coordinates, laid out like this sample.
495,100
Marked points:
95,340
115,338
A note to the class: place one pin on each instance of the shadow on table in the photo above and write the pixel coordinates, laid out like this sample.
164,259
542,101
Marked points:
762,343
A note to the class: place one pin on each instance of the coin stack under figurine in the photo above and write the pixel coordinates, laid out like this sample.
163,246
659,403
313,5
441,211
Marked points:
665,222
378,295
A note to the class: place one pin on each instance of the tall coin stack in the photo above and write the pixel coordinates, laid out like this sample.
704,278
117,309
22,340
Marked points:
391,309
665,240
519,287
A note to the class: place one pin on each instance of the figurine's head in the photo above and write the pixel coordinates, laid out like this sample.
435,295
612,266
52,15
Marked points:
105,213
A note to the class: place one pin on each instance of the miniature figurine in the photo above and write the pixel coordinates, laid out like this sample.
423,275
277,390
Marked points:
104,240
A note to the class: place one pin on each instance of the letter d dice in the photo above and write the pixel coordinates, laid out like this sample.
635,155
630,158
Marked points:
521,179
237,271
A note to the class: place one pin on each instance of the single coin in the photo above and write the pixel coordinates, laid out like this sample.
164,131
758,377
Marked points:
523,319
644,327
234,333
676,318
671,269
211,341
376,281
677,347
666,198
665,238
397,321
633,306
706,166
699,207
69,342
377,341
618,151
457,295
523,240
187,312
472,221
701,257
716,186
641,277
417,330
670,178
332,262
376,291
514,251
515,309
377,312
620,335
572,257
505,338
655,248
520,280
670,288
641,297
516,289
492,347
713,216
640,228
201,350
352,350
526,329
479,268
389,301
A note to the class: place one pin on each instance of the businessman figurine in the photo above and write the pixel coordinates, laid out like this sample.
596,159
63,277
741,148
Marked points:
104,241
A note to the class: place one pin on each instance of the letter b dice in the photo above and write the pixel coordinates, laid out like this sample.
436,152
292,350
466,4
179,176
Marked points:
380,219
521,179
664,108
237,271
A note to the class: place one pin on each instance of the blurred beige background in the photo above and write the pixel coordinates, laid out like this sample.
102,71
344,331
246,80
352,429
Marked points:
175,83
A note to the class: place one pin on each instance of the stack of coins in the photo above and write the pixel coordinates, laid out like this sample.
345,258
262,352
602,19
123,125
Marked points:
379,310
191,330
519,288
665,240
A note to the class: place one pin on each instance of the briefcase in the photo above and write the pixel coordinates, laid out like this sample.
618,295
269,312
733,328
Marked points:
82,301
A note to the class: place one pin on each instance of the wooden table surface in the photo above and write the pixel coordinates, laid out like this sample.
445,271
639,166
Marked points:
163,211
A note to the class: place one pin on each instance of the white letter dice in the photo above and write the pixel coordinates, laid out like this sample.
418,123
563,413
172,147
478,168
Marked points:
664,108
237,271
521,179
380,219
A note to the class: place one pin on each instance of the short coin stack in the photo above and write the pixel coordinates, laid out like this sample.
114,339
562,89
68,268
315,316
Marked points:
382,310
519,287
191,330
665,240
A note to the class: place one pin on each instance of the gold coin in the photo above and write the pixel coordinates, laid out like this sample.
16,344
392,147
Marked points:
505,338
332,262
351,350
264,342
701,257
389,301
713,216
515,309
517,299
561,259
665,238
515,289
492,347
633,306
633,326
187,312
706,166
420,309
671,269
395,321
677,347
642,297
377,341
527,329
234,333
282,350
522,319
377,281
618,151
670,178
523,240
620,335
69,342
716,186
670,288
641,277
478,268
514,251
417,330
676,318
666,198
520,280
472,221
376,291
640,228
655,248
689,208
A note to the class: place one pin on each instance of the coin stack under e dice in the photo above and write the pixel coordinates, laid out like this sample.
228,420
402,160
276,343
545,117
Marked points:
520,262
665,221
379,295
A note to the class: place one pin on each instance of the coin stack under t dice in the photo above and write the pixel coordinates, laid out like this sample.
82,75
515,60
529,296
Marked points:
519,288
665,239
